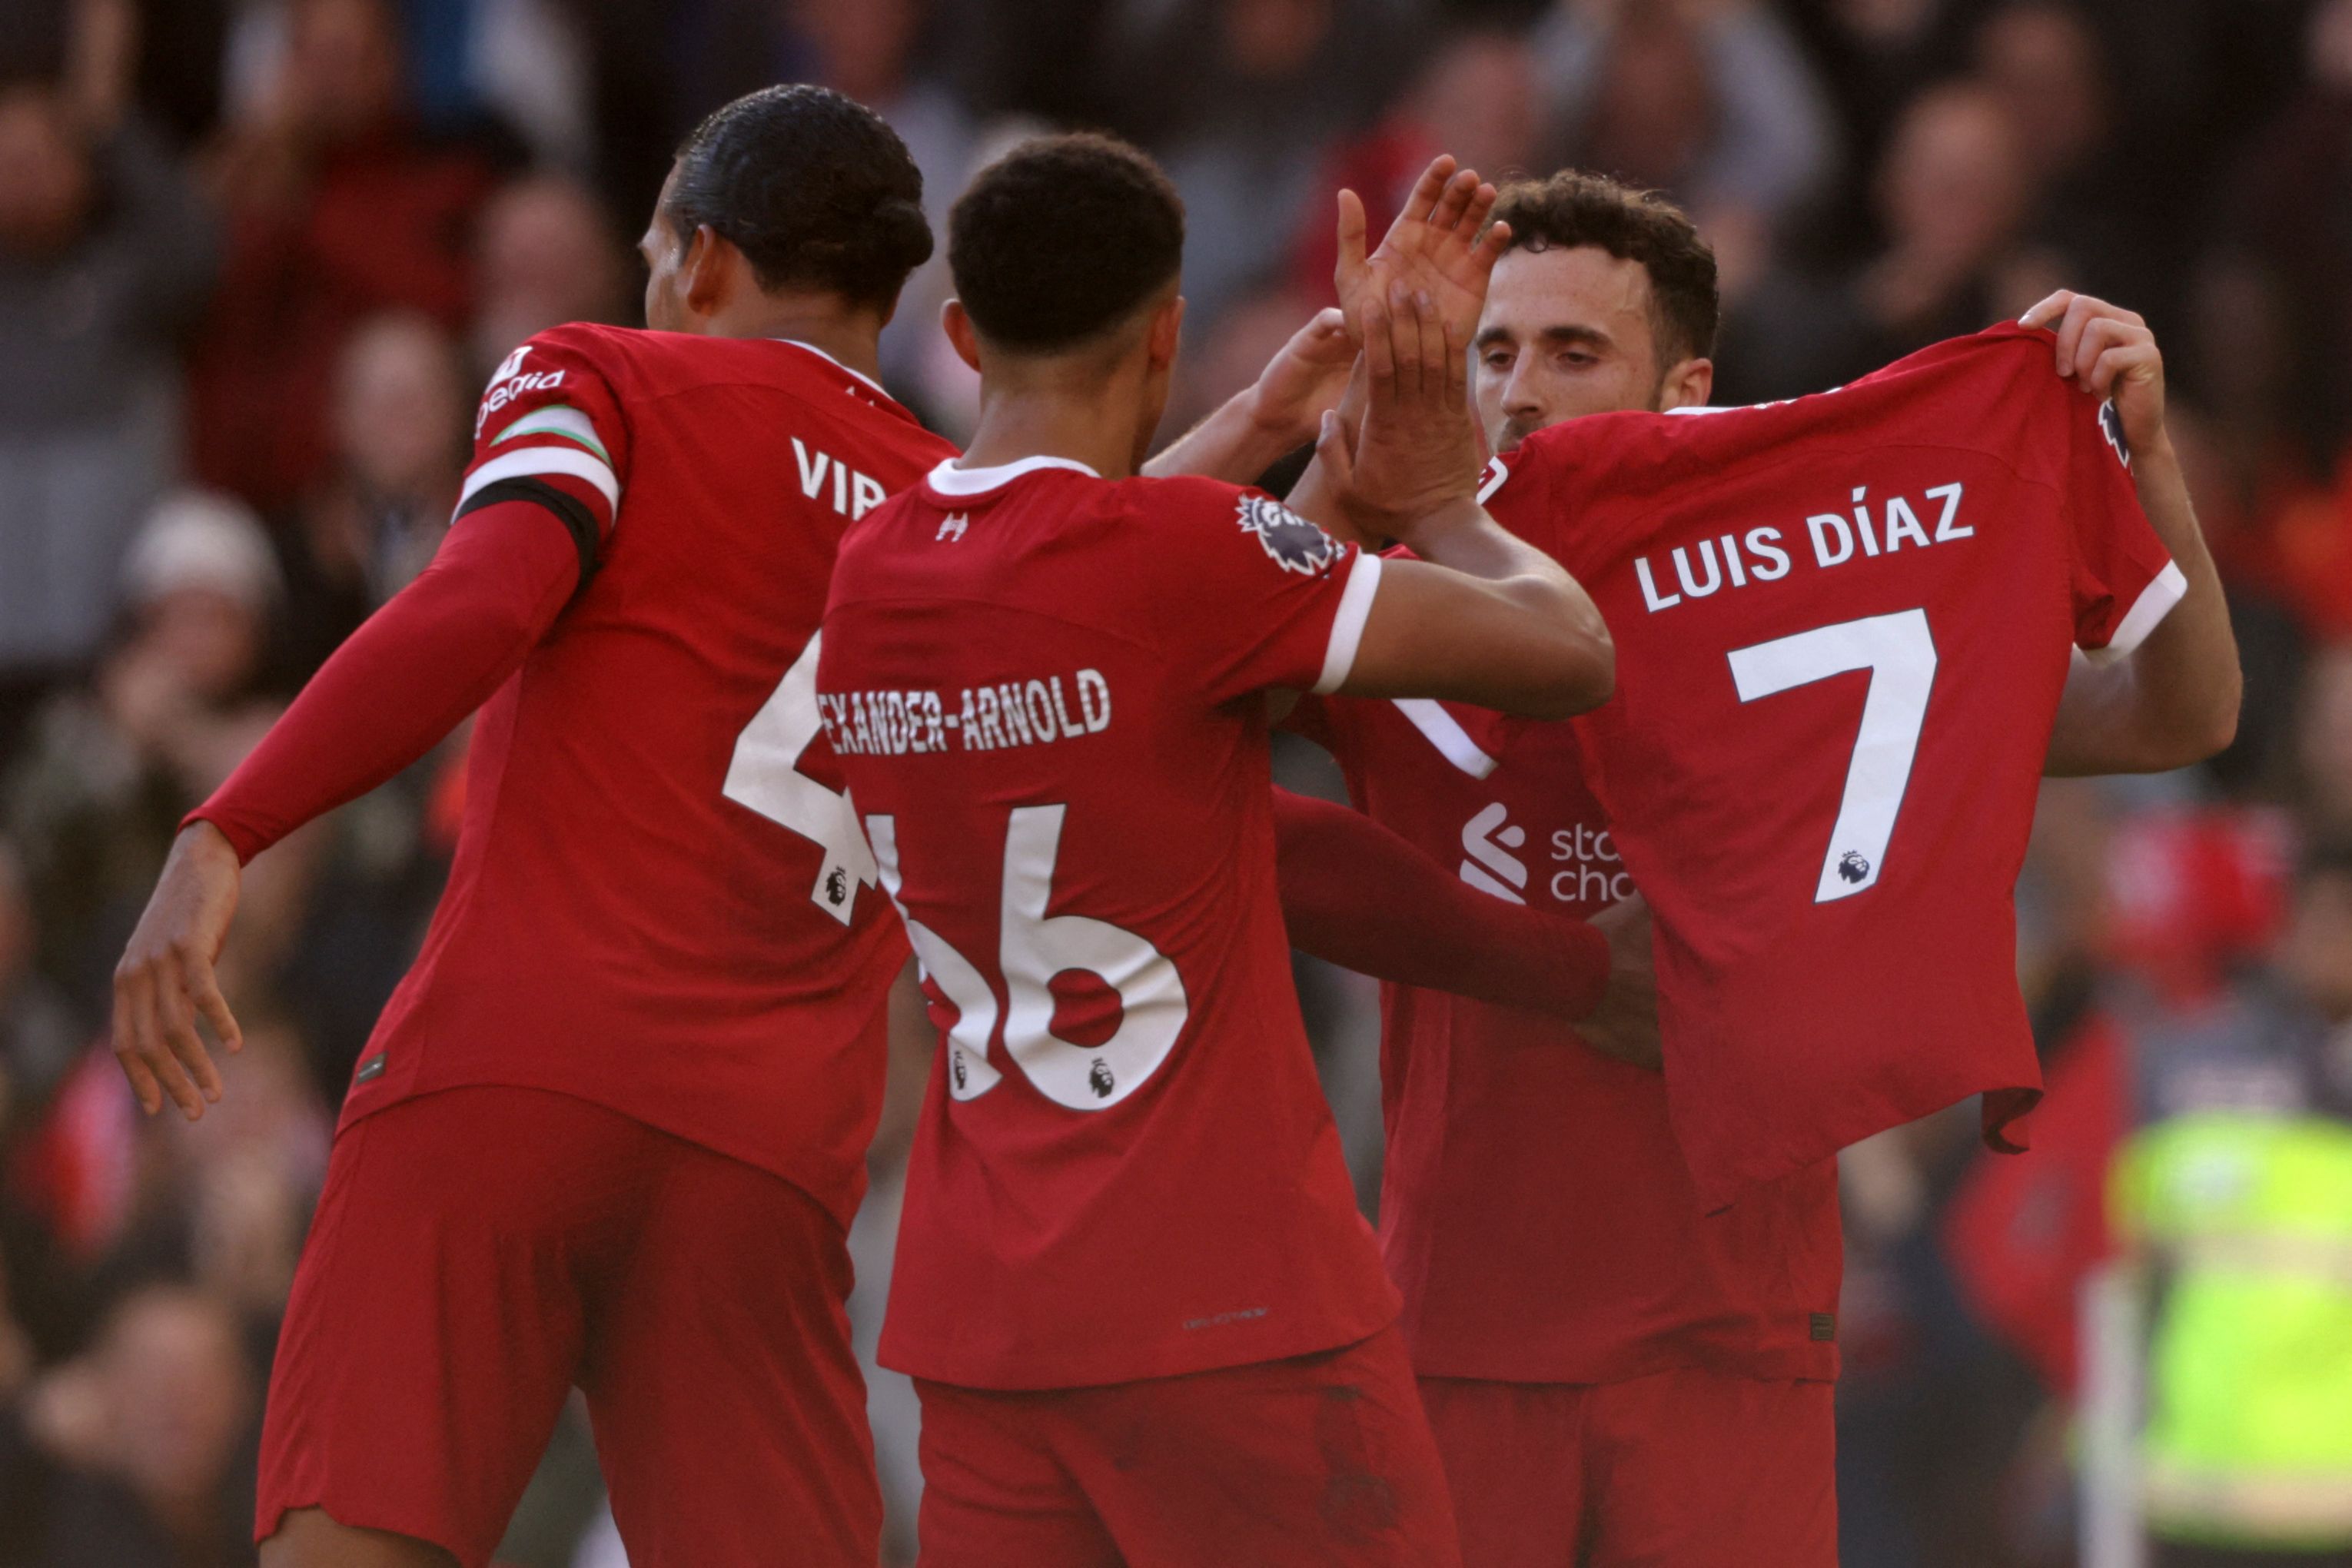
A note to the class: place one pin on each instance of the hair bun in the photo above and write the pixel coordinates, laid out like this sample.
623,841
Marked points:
902,235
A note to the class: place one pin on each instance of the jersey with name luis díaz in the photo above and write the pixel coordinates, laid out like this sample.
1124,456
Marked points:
1843,626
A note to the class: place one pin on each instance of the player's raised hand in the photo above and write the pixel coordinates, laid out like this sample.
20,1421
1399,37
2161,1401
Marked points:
1625,1024
2108,352
1305,377
165,979
1419,451
1440,244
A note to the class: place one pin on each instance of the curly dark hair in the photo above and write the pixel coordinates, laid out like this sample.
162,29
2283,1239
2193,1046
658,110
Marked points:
1573,208
810,186
1061,238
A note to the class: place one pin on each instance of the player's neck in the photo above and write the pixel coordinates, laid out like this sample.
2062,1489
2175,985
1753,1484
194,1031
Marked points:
848,333
1088,423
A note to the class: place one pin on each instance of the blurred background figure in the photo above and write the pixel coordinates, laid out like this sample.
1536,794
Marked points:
106,256
338,207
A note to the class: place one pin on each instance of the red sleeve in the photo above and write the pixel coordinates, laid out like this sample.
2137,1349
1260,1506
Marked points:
406,678
1256,595
2125,580
550,430
1359,895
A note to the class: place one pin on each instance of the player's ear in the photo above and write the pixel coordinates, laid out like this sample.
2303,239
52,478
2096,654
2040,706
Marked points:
956,323
1167,328
1689,385
702,271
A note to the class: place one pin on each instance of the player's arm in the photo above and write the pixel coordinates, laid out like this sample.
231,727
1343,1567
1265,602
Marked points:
1272,417
399,685
539,500
1359,896
1481,616
2173,699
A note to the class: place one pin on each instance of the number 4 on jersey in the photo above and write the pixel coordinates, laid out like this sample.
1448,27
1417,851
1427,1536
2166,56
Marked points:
765,777
1901,657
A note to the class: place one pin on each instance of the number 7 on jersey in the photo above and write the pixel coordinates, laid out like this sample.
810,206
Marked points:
1901,657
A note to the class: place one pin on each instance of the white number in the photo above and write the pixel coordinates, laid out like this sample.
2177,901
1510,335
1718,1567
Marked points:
1901,657
1032,948
969,1074
765,775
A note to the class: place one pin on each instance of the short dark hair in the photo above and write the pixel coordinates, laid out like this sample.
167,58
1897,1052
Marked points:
1061,238
1573,208
810,186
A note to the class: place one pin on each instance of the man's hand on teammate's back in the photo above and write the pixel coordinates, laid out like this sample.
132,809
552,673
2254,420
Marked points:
1625,1024
166,978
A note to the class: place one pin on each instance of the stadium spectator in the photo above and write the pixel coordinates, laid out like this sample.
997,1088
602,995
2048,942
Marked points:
338,208
544,254
2274,201
2324,743
105,257
111,766
374,516
1955,190
39,1036
1708,99
139,1453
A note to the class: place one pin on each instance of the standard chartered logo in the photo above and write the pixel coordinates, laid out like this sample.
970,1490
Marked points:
1588,870
1489,843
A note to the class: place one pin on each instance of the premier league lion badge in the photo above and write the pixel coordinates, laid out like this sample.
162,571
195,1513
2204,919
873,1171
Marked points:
1295,544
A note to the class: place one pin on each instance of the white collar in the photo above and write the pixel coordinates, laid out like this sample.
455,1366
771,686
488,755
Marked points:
951,480
838,366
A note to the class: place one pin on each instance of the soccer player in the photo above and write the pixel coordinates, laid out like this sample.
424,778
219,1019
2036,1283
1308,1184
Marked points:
1626,1381
1146,1322
610,1131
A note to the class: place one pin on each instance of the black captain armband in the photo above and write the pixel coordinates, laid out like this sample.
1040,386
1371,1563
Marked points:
568,510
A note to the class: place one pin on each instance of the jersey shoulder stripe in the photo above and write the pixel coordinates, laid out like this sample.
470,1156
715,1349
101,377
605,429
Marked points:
528,462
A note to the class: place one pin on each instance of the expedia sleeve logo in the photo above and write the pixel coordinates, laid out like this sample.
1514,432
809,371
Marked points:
2111,426
1295,544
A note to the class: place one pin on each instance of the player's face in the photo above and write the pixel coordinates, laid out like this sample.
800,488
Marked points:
1565,333
665,253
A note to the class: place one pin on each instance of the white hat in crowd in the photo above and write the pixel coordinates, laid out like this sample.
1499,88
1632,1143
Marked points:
202,539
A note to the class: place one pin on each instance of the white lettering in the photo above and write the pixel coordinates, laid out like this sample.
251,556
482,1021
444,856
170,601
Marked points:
1765,542
1683,571
812,478
1094,701
1944,529
1650,587
1821,541
1901,521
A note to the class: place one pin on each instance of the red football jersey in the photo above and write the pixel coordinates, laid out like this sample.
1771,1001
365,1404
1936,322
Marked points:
1843,626
1535,1211
660,902
1044,690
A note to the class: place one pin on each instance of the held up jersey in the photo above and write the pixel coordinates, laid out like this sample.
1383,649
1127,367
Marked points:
659,900
1843,626
1046,690
1536,1213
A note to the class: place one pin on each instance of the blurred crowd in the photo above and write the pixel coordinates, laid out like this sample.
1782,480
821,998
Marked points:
256,255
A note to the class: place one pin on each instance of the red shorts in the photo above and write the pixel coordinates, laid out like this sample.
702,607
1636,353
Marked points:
1679,1470
1321,1459
478,1251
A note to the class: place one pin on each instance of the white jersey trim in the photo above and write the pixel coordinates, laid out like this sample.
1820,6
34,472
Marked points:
2155,603
530,460
838,366
1442,730
951,479
1348,625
